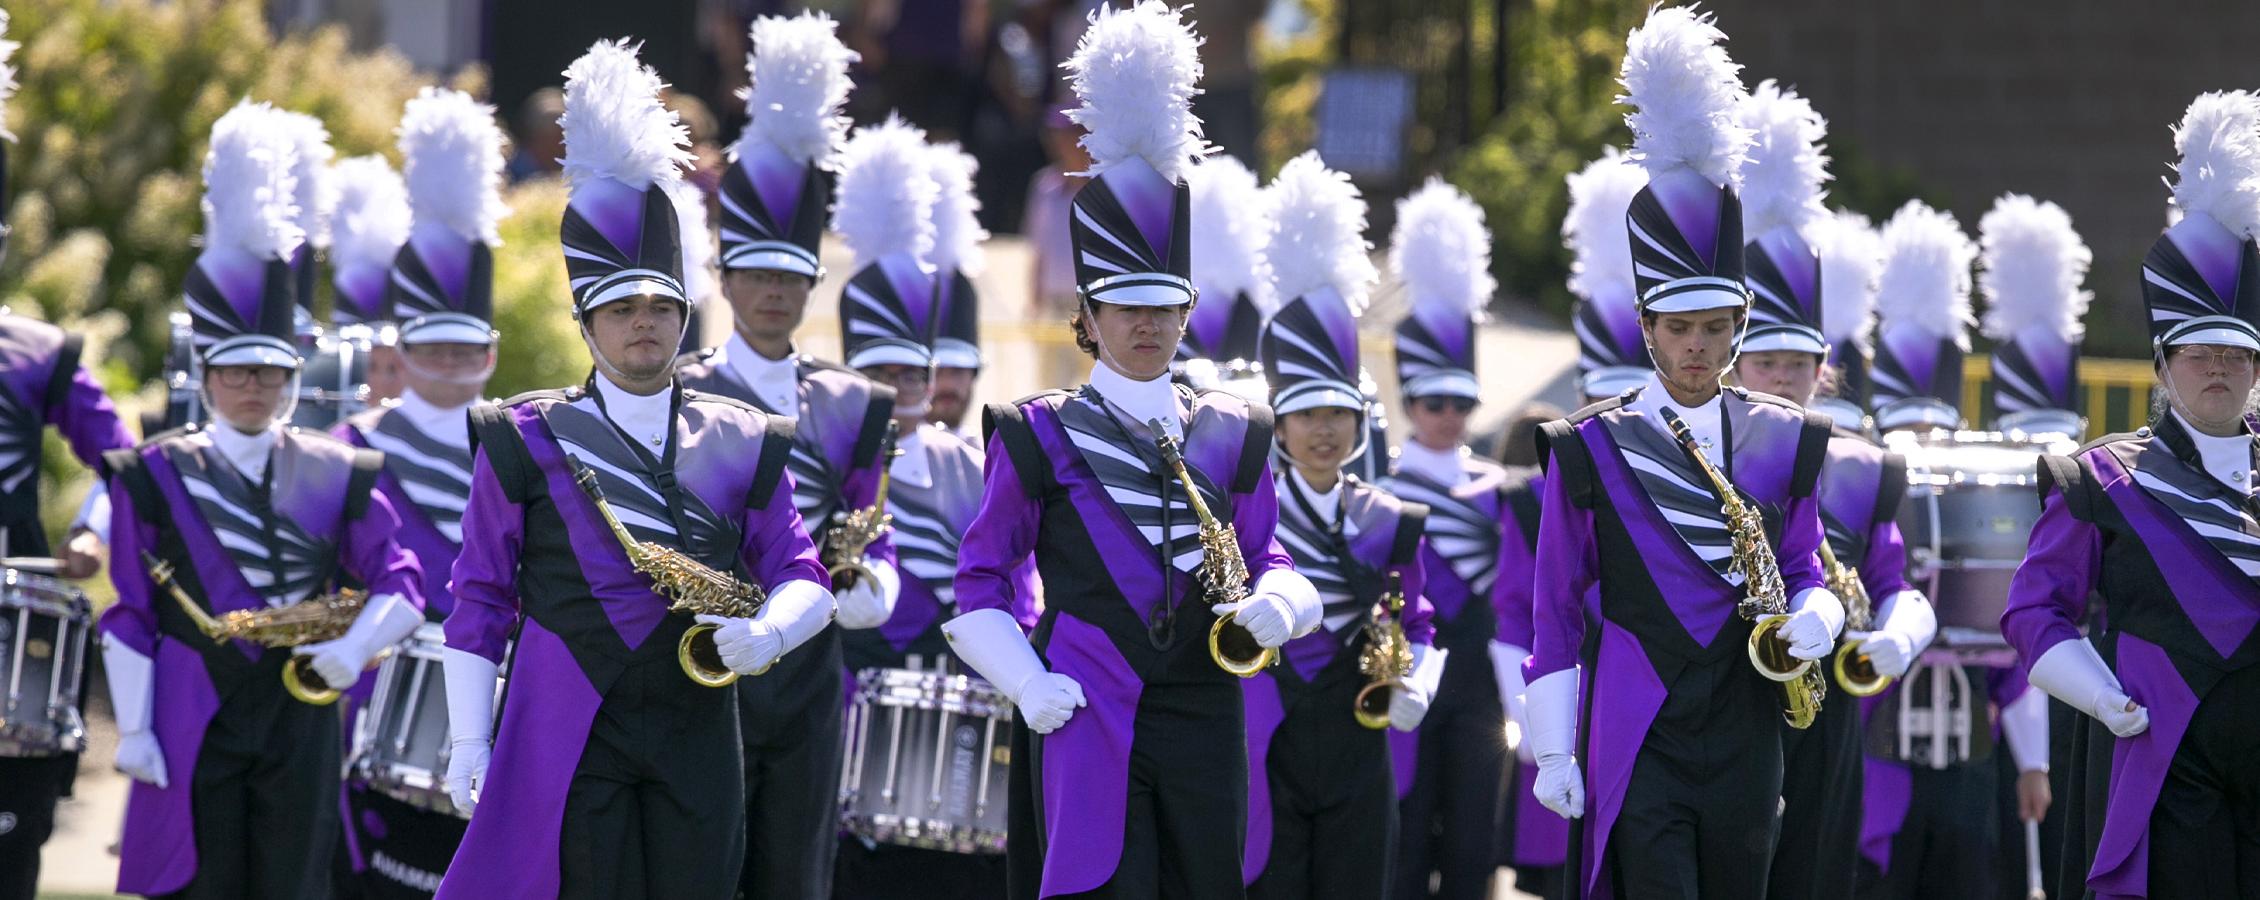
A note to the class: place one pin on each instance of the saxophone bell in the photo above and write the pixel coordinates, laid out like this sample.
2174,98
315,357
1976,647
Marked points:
1235,649
305,685
1856,674
1386,660
1372,709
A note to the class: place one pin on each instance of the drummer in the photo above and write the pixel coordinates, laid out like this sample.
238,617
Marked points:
1930,822
888,317
442,294
237,782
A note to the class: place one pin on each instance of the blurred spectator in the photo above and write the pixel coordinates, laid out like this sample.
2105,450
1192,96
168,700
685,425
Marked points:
706,145
1020,81
537,140
1227,101
1051,287
1518,442
920,54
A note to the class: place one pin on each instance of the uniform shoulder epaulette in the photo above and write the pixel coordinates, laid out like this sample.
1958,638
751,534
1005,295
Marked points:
562,395
2140,434
697,396
1600,406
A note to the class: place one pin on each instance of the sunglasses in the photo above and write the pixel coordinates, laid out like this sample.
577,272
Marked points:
1440,404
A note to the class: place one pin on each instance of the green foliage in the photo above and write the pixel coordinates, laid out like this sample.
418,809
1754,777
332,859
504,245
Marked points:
541,347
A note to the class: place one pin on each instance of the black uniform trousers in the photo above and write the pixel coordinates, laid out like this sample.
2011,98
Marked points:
29,788
656,806
2205,831
1817,855
264,793
404,849
1333,795
791,716
1947,847
1450,818
1701,814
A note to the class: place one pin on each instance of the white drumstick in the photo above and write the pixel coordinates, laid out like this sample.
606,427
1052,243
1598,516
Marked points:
2033,890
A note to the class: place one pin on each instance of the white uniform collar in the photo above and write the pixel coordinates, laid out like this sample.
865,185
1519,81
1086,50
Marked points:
1445,467
775,381
2227,459
447,424
911,467
646,420
1705,420
1328,503
1143,401
246,452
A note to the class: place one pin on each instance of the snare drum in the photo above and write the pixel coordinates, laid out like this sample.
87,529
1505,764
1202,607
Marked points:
1969,513
332,382
927,754
44,625
400,742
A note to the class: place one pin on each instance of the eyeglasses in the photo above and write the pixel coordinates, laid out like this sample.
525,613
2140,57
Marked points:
2230,359
1461,405
240,376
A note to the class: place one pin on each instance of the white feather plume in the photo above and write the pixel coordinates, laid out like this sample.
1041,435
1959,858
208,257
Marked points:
1925,281
451,149
957,227
700,244
2031,266
1441,252
372,219
886,198
1684,89
7,75
1782,178
316,196
1851,254
1136,71
250,195
2219,172
1317,234
1231,224
615,127
796,83
1600,244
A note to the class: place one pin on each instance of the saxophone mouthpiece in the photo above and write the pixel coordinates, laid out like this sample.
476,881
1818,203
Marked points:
1166,441
1679,429
585,477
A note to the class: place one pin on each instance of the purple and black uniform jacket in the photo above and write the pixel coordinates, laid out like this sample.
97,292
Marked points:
538,558
42,384
1069,483
1349,562
428,481
1626,511
2173,553
233,545
1539,837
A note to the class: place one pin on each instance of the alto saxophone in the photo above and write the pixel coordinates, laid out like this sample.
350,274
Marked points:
853,532
314,620
1767,603
1854,672
1386,659
690,586
1223,573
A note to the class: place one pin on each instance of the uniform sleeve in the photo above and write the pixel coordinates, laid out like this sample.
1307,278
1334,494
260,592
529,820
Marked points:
1511,598
1799,555
1565,538
2063,562
87,421
776,547
997,546
1255,518
1884,571
132,619
1420,615
376,559
485,578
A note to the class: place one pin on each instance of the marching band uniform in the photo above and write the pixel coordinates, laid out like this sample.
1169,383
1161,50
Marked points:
1449,772
613,774
1680,740
237,785
2159,523
1322,802
1119,788
441,291
774,199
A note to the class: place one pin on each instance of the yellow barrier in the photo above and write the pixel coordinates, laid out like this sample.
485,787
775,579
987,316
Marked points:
2114,394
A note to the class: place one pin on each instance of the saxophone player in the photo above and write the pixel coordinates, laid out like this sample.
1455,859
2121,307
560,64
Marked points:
236,783
1676,767
610,772
1130,778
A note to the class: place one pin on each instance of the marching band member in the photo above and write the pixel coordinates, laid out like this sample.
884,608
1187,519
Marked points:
1322,804
1450,771
612,773
236,791
774,200
441,290
369,226
1851,254
1860,489
1230,219
1676,765
1128,780
2159,524
958,258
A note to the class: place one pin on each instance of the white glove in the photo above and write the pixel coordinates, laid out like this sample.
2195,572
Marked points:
2073,672
1812,627
798,610
382,623
132,677
990,641
1888,653
1552,707
472,681
747,647
871,601
1266,616
1409,701
1909,614
1506,669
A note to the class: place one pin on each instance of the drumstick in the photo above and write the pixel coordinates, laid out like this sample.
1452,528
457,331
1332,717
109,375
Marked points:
2033,890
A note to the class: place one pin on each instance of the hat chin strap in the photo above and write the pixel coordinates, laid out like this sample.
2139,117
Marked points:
604,365
1731,358
283,411
2229,425
1106,357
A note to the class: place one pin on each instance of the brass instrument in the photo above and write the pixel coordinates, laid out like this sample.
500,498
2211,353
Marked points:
1223,574
314,620
1386,659
1767,603
1854,672
853,532
690,586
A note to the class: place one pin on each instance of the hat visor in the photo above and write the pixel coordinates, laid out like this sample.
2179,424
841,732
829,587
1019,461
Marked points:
1698,294
635,287
446,328
773,256
1612,380
1764,338
2216,330
1446,383
1140,289
252,350
890,353
955,354
1317,395
1916,411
